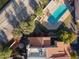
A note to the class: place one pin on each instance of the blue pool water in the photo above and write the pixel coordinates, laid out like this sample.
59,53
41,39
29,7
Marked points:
54,17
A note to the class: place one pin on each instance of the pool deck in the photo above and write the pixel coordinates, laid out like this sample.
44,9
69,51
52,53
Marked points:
50,8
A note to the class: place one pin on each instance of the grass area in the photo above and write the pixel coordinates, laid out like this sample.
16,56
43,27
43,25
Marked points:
2,3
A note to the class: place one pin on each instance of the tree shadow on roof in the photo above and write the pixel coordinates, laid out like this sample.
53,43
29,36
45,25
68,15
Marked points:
20,10
19,14
33,4
3,37
12,19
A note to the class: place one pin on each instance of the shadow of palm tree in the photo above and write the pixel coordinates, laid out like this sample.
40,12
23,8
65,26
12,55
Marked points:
12,19
33,4
20,10
3,37
19,14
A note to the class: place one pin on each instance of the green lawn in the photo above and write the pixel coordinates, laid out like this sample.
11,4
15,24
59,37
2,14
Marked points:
2,3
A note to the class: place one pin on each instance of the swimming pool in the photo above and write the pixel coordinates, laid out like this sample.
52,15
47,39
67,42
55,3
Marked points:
54,17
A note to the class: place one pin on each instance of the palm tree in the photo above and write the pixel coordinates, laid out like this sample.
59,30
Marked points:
39,11
5,53
64,36
43,3
16,36
16,33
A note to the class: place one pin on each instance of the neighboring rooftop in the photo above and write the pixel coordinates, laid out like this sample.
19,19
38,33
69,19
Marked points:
59,51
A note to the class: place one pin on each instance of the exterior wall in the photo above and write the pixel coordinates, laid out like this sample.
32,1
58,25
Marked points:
12,13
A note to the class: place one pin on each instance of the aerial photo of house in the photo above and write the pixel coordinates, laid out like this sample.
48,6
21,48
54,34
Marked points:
39,29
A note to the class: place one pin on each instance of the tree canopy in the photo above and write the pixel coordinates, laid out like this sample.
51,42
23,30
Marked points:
43,2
